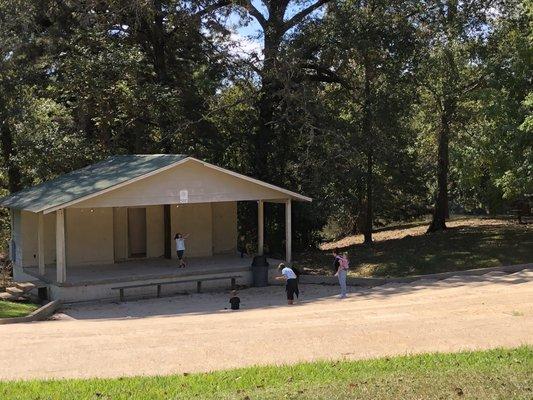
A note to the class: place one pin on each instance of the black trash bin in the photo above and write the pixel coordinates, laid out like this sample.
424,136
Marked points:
260,271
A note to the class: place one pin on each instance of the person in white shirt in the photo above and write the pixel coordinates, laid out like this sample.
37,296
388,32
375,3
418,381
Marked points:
291,286
180,248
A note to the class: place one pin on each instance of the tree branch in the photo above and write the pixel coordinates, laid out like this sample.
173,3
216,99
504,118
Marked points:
254,12
213,7
298,17
472,85
324,74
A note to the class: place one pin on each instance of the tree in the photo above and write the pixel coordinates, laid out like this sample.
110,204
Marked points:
493,153
138,76
275,26
18,53
370,45
454,33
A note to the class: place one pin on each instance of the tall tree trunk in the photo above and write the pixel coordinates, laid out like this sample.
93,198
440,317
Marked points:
157,30
368,132
14,174
263,134
441,201
268,100
369,206
447,113
274,26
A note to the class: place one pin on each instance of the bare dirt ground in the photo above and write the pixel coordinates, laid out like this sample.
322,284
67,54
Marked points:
192,333
404,250
417,230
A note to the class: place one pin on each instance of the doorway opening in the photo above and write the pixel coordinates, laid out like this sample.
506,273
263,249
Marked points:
137,232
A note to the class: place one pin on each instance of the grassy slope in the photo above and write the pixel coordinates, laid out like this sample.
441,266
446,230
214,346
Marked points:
10,310
494,374
469,243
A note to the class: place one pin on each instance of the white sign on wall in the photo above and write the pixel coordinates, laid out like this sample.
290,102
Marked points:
184,196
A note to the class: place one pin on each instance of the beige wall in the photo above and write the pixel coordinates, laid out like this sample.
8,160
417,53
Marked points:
49,238
120,233
155,230
203,185
100,236
89,236
224,227
195,220
155,245
15,251
27,242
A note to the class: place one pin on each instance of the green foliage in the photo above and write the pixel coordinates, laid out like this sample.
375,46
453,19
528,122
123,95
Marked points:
83,80
11,310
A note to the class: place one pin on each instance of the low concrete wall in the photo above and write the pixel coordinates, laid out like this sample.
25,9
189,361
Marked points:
369,282
20,276
73,294
40,314
104,291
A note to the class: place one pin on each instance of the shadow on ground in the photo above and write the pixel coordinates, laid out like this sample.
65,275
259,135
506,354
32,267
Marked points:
465,246
273,297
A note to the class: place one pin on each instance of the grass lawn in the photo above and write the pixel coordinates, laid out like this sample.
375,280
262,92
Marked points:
406,250
494,374
10,310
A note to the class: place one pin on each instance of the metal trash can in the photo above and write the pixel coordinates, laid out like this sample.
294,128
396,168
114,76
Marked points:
260,271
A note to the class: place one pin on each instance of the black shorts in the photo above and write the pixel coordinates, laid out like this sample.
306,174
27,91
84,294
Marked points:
180,254
292,289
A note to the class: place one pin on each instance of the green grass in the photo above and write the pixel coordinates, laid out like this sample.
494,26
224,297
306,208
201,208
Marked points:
468,244
494,374
11,310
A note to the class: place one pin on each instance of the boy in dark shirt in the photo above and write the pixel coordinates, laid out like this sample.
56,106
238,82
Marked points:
234,300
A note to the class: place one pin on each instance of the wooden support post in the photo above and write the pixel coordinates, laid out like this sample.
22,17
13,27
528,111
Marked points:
167,231
40,243
61,265
288,231
260,227
199,286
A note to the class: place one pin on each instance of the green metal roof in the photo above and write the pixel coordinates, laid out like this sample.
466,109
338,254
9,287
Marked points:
89,180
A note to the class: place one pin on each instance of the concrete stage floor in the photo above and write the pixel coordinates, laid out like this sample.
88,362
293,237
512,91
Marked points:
145,269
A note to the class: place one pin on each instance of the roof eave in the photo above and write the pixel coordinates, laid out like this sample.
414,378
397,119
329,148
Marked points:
291,194
48,209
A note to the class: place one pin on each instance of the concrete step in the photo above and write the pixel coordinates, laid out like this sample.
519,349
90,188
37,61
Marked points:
25,286
5,296
15,291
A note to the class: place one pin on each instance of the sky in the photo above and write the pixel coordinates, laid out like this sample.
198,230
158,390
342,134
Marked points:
247,38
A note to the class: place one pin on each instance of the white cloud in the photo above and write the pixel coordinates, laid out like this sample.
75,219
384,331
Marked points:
245,47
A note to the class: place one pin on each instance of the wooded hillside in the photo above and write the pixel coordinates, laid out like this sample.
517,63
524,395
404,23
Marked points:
380,110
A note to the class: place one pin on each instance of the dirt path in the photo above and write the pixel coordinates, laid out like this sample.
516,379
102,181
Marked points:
192,333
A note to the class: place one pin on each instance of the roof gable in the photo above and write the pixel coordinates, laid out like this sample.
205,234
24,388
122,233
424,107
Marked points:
79,187
192,181
88,180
